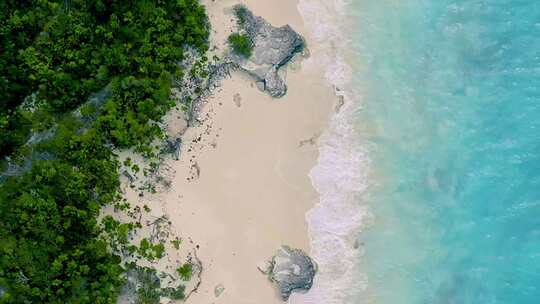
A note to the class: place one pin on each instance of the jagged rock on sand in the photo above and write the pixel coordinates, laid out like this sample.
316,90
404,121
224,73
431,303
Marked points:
292,270
273,47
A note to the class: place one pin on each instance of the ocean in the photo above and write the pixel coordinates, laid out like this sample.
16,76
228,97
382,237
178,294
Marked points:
430,174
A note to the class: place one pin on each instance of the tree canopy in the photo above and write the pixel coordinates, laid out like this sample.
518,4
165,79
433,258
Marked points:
53,55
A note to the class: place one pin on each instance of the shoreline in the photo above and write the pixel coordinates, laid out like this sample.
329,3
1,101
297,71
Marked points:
241,188
342,172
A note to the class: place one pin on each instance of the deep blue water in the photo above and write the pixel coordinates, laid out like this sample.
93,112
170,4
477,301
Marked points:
451,94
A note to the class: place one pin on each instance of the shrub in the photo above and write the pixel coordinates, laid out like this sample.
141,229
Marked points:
185,271
176,243
241,44
60,52
240,12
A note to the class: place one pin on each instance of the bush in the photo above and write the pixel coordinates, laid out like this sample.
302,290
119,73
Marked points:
240,12
241,44
185,271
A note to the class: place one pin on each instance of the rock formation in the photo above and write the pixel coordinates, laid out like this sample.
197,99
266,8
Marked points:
272,48
292,270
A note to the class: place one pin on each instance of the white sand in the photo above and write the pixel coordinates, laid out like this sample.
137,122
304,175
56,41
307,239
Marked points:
242,190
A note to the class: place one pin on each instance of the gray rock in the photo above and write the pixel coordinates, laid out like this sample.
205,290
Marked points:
272,48
292,270
173,147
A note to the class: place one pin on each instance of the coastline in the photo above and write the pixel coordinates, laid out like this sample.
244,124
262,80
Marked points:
342,173
241,187
203,151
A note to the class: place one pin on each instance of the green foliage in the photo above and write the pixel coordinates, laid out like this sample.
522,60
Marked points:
185,271
150,251
51,245
177,293
130,115
20,23
240,12
149,290
176,243
63,54
241,44
14,131
117,233
50,250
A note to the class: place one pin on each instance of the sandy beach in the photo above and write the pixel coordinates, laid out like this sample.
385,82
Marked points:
241,187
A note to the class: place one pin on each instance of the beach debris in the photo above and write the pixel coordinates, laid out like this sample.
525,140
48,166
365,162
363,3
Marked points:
291,270
310,141
218,290
273,47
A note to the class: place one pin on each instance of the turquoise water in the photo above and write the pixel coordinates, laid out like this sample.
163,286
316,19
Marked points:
451,95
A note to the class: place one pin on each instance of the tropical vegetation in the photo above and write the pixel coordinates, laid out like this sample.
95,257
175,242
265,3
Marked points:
241,44
54,54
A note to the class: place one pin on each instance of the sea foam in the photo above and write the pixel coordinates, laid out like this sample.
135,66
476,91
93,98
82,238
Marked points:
340,176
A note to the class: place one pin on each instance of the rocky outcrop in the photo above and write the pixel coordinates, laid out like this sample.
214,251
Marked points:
292,270
272,48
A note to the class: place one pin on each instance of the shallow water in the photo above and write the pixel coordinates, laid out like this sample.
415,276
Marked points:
450,115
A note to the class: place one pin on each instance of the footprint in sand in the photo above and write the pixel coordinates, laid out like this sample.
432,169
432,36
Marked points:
237,99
